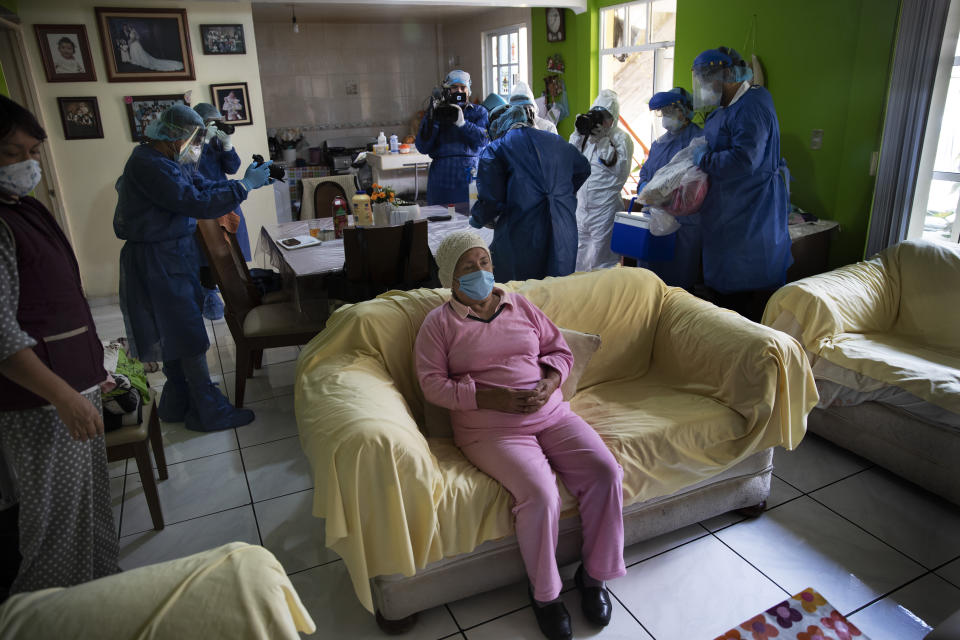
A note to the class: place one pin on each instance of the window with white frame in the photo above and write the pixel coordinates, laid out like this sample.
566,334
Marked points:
636,60
505,58
937,201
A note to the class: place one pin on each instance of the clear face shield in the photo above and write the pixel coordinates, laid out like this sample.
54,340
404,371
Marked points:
190,149
707,88
672,117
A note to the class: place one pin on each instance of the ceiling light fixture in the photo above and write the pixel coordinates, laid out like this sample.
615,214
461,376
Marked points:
293,11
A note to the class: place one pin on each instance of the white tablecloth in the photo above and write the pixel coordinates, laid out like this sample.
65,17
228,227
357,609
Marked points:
327,257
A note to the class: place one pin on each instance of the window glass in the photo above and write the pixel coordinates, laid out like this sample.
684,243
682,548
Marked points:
664,20
492,44
637,24
941,218
514,54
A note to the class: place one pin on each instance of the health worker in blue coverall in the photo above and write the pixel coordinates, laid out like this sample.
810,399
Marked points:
527,190
746,245
453,142
675,108
161,194
218,159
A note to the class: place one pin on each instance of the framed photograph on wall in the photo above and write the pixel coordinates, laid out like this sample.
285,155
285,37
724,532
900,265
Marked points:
556,31
65,52
142,110
233,101
80,118
145,45
223,39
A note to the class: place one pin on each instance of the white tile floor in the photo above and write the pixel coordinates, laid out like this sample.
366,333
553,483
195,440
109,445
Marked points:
885,552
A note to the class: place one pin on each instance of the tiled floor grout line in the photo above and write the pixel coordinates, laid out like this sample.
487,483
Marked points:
322,564
756,568
219,453
886,595
253,508
212,513
632,614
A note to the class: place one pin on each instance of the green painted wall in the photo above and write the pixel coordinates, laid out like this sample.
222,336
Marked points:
827,65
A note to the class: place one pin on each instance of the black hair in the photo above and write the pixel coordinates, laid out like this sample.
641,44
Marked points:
67,40
14,117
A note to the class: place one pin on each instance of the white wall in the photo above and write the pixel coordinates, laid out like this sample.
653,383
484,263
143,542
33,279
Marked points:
462,39
305,76
88,169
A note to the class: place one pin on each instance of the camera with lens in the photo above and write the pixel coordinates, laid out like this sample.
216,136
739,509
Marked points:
444,103
225,127
586,122
276,171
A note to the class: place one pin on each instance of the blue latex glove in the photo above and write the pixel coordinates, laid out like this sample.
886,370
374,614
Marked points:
698,154
257,176
641,186
476,224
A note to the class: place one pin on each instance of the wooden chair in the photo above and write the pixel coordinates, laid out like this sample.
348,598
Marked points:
378,259
131,442
254,324
323,197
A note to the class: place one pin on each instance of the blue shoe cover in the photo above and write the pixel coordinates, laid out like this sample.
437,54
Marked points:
211,411
174,399
212,305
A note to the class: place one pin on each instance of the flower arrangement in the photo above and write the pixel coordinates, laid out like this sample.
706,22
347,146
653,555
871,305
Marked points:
382,193
289,138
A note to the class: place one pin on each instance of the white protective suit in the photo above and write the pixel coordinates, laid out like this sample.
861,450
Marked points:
598,200
523,89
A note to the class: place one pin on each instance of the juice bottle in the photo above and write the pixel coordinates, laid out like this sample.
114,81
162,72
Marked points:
362,210
339,209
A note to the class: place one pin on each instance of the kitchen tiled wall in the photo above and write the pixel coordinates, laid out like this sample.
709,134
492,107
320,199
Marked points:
343,80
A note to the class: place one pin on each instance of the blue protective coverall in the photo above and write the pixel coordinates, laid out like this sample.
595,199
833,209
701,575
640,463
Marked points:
453,151
216,164
527,182
160,293
684,269
746,245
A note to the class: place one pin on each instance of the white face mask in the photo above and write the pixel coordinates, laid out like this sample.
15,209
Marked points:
709,97
20,178
671,123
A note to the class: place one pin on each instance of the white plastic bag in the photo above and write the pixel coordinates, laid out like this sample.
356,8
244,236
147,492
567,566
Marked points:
661,222
659,191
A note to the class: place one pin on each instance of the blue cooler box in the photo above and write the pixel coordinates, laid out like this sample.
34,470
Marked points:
632,237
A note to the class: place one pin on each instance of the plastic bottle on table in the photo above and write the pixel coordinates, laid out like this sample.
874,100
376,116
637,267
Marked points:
339,210
381,147
362,210
394,144
473,187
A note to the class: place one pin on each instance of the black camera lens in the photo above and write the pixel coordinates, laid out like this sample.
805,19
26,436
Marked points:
223,126
585,122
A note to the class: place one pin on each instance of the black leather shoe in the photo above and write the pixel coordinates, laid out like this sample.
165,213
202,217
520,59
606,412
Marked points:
595,601
553,619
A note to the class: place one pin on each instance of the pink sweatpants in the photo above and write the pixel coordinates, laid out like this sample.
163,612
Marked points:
524,465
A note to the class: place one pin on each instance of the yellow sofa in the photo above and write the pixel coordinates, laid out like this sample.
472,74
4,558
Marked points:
882,339
689,398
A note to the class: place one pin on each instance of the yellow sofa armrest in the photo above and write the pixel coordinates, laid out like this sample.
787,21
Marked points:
376,481
760,373
857,298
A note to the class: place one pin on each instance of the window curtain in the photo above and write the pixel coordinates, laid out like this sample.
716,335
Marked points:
919,37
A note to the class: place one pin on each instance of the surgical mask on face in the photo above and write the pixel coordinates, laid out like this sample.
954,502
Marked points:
671,123
477,285
709,97
20,178
191,155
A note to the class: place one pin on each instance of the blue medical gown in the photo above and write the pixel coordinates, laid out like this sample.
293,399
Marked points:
216,164
684,269
453,151
527,181
160,293
746,245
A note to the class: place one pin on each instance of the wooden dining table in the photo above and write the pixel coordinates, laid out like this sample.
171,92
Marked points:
305,269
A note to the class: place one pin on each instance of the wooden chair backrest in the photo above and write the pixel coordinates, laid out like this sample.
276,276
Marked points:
239,293
323,197
396,256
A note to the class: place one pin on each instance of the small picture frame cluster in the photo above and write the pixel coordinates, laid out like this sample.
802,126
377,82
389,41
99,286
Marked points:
65,52
142,110
233,101
80,118
223,39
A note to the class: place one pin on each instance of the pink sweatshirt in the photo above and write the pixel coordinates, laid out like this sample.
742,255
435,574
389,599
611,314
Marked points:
456,355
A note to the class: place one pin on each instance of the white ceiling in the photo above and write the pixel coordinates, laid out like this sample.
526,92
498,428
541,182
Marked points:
390,11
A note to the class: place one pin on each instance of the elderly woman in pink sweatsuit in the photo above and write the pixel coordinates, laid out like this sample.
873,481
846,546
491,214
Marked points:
497,362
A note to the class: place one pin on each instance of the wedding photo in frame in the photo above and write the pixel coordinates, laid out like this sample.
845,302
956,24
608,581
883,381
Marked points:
65,52
145,45
233,101
142,110
80,118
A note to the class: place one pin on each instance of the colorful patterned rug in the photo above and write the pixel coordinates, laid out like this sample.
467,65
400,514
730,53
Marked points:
805,616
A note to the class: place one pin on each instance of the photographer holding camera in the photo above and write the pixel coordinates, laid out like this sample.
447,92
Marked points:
610,151
218,159
453,132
